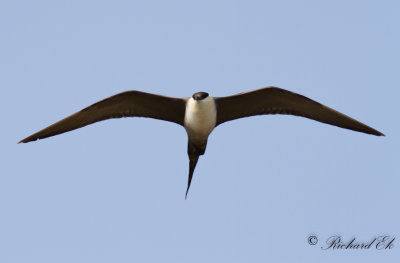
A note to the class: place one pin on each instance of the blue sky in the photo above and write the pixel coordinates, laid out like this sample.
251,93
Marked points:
114,191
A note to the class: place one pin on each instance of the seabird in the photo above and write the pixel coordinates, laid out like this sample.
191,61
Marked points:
201,113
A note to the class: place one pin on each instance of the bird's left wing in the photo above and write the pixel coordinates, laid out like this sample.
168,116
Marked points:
125,104
272,100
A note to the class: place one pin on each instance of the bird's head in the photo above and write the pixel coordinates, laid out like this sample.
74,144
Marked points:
200,95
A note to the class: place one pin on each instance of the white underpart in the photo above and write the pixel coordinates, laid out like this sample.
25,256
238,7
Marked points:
200,118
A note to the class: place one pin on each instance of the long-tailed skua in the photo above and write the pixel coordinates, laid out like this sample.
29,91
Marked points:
201,113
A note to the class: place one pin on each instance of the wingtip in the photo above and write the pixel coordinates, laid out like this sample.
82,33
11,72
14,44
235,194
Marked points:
24,141
28,139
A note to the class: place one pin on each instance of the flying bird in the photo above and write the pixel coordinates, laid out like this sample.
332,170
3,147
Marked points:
201,113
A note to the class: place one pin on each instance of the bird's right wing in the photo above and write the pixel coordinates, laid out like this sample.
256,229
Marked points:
272,100
125,104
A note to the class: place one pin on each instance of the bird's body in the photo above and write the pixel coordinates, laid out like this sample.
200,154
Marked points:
200,118
201,113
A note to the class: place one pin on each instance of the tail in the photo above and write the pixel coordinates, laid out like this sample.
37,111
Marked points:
194,152
192,164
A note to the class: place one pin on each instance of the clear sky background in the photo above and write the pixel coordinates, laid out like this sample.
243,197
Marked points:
114,191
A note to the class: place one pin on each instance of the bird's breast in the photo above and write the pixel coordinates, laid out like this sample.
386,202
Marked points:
200,118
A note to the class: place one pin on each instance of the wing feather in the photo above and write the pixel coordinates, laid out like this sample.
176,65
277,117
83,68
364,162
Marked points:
272,100
125,104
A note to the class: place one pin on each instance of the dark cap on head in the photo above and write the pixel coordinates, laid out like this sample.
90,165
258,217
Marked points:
200,95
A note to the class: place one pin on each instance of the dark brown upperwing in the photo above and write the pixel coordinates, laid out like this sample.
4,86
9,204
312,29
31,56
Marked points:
272,100
125,104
